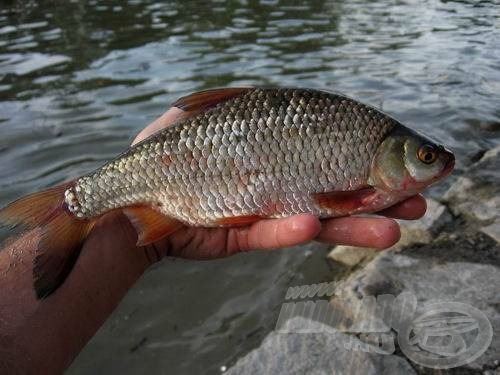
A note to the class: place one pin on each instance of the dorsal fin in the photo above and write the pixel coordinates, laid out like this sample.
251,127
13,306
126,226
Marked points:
201,100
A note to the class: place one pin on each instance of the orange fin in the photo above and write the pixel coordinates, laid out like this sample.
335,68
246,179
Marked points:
34,209
236,221
346,202
201,100
150,224
58,250
62,235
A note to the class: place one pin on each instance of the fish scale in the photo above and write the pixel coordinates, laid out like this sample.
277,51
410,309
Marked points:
263,149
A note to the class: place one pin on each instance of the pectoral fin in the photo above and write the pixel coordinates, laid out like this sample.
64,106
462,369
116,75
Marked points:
346,202
150,224
236,221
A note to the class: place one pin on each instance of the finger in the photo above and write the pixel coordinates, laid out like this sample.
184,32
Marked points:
411,209
274,233
168,118
376,232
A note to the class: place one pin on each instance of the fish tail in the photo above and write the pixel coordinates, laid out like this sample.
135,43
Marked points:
62,235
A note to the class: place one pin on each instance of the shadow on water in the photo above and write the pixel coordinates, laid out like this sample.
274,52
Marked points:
79,78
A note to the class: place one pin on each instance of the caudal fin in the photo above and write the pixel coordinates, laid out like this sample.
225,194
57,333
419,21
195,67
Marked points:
62,235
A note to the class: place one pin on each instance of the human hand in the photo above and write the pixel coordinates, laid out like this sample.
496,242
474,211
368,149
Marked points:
209,243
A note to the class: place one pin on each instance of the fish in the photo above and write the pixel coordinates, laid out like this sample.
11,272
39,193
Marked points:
234,156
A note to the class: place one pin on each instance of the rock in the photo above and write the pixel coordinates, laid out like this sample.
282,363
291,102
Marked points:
492,230
424,229
462,267
458,191
315,353
350,256
472,201
476,195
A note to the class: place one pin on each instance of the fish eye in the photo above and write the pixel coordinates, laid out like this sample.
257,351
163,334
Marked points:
427,154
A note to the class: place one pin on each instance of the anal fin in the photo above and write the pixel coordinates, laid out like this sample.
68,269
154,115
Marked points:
150,224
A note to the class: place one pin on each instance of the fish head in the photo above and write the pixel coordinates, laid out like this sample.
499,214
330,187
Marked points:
407,162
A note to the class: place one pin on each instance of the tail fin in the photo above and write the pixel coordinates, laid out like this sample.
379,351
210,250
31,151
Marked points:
61,239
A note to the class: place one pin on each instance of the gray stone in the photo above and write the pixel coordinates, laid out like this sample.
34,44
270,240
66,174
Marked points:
350,256
424,229
492,230
459,268
476,195
320,352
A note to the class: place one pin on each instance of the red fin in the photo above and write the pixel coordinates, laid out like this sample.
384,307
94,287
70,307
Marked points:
58,250
150,224
201,100
34,209
238,220
346,202
62,235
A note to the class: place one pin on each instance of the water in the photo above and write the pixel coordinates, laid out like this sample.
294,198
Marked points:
78,79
